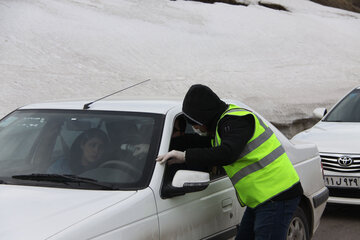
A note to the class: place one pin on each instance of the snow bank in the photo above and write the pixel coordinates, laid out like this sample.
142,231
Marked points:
283,64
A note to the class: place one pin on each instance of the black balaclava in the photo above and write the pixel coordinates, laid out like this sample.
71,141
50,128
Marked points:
201,105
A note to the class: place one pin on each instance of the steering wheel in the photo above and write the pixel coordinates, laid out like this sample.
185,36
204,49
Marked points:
124,166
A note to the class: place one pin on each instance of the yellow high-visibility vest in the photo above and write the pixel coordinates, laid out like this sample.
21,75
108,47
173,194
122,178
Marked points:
263,169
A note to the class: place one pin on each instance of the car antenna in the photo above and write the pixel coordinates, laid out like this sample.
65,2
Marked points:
87,105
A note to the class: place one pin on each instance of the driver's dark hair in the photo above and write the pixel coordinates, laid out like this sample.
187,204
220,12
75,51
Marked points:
83,138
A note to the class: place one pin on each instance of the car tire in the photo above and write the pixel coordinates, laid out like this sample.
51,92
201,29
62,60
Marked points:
298,227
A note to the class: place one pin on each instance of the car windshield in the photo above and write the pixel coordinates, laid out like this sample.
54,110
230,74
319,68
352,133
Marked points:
79,149
348,109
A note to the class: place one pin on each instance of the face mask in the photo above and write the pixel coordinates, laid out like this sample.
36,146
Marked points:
198,131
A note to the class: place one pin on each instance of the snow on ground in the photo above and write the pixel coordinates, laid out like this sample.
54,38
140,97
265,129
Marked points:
283,64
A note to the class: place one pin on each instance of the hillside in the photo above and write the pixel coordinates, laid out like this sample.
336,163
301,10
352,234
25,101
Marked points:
282,63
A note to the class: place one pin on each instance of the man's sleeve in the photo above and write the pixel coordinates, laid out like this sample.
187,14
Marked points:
235,132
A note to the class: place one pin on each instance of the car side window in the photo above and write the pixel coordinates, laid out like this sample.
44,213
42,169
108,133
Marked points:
180,129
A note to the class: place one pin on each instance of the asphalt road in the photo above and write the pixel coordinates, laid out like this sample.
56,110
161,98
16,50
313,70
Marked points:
339,222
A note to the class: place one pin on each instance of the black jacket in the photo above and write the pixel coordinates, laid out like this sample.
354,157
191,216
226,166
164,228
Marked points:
234,132
202,106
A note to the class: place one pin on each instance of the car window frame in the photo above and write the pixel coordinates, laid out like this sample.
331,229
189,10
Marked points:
216,173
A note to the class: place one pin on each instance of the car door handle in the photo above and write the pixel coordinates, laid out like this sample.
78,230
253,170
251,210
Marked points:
227,204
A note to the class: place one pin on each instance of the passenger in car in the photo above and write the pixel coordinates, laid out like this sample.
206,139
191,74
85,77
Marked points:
179,126
86,153
252,156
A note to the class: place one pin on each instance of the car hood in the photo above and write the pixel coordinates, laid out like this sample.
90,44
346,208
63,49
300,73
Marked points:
40,212
333,137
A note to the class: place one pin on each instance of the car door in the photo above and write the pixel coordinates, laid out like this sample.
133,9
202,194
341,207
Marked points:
213,212
210,213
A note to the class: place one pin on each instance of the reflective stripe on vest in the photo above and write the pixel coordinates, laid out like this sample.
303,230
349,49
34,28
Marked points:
262,138
258,165
257,142
262,163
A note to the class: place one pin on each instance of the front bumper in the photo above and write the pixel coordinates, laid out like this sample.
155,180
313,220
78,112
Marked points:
341,200
344,196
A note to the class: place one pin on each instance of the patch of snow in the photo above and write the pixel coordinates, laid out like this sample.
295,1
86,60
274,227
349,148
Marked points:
283,64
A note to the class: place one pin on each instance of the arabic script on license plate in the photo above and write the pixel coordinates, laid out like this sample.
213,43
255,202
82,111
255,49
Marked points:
337,181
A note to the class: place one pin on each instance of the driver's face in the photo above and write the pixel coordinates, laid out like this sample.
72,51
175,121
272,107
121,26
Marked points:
93,150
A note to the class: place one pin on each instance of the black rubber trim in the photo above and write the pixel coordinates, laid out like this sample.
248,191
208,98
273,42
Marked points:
226,234
321,198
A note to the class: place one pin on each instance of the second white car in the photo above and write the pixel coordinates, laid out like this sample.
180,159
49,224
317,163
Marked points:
337,138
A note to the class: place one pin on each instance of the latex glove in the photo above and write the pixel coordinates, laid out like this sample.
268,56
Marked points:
171,157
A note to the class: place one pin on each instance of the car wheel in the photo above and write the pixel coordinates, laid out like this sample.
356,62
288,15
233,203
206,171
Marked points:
299,226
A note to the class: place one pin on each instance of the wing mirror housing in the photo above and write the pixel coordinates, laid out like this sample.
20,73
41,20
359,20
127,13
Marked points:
186,181
319,112
191,180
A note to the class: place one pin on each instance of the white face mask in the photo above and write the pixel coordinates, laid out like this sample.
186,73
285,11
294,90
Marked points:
198,131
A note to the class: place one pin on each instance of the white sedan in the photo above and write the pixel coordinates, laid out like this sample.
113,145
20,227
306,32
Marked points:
80,170
337,138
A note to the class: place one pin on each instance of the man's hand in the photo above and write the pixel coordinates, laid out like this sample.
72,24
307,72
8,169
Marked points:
171,157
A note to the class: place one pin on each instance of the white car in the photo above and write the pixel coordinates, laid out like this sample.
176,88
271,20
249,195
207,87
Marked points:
337,138
127,195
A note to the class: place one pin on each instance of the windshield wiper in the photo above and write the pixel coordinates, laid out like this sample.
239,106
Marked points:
61,178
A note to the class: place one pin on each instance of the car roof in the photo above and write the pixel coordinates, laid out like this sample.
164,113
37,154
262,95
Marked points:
160,106
127,104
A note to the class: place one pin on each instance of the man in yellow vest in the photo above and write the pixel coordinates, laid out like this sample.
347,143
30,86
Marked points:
252,156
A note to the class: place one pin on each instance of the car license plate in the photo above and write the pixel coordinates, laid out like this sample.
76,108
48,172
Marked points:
338,181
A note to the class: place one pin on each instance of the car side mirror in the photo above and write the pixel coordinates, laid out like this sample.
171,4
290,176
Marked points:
319,112
191,179
186,181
